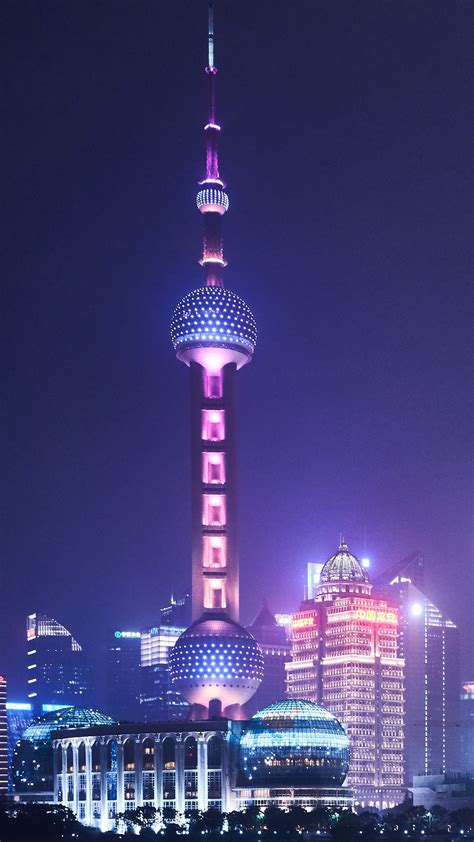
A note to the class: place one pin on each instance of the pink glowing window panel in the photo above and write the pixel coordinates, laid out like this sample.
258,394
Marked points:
214,551
212,385
213,424
214,593
213,468
213,510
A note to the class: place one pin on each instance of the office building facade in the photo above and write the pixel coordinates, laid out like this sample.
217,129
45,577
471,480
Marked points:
159,699
345,657
429,644
3,736
123,675
19,716
467,727
57,672
275,648
103,771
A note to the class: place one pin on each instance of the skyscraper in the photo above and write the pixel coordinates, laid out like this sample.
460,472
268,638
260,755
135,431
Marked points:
275,647
3,736
159,700
56,669
19,716
123,675
345,656
429,644
467,727
214,334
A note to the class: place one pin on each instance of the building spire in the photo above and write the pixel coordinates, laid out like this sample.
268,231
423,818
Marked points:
212,201
210,36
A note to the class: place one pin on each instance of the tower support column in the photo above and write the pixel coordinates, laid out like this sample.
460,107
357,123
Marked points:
138,773
104,817
75,779
64,774
120,780
158,763
202,772
88,753
179,780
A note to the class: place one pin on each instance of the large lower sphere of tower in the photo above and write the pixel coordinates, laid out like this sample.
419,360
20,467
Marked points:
216,659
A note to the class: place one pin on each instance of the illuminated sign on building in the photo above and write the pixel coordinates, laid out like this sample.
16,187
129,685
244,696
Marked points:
303,622
127,634
368,615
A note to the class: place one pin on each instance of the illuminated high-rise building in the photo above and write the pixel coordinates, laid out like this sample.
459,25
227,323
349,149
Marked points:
271,637
216,661
467,728
56,669
19,716
429,644
159,699
3,736
122,673
345,657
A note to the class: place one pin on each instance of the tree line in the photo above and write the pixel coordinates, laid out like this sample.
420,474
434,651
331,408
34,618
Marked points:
54,822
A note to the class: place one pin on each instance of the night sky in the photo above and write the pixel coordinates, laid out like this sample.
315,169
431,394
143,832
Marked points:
346,150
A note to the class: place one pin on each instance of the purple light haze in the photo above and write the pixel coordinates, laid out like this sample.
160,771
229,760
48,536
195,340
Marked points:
348,240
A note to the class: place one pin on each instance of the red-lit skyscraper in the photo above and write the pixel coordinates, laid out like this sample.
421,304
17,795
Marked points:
345,656
214,334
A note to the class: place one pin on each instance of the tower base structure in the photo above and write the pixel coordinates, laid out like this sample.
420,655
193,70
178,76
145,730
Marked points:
178,765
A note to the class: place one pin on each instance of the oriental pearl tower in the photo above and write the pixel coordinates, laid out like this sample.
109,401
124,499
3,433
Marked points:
215,664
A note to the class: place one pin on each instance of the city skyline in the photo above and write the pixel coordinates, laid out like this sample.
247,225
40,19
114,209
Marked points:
360,451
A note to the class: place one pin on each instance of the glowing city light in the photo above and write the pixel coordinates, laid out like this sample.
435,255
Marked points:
416,609
303,622
365,563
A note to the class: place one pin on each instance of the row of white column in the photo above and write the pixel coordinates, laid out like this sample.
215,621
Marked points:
202,783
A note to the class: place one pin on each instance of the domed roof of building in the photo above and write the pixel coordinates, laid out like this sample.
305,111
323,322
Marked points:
343,567
216,658
294,742
72,717
213,317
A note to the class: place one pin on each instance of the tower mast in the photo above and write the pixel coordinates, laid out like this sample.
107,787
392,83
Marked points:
215,662
211,200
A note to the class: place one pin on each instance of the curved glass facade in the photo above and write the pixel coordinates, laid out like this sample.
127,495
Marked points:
343,567
32,764
73,717
294,743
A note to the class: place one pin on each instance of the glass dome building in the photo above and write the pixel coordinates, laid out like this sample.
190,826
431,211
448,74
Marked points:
294,743
33,754
343,573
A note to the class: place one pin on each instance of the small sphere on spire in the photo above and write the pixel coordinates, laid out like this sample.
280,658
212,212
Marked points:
212,200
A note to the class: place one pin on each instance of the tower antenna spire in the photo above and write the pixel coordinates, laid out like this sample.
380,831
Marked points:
210,36
212,200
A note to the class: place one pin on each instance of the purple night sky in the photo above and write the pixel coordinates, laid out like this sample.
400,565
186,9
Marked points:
345,146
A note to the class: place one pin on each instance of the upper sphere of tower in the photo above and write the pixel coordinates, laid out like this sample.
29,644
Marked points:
343,567
214,317
212,199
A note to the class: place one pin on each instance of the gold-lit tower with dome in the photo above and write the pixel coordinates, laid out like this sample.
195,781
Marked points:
345,657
